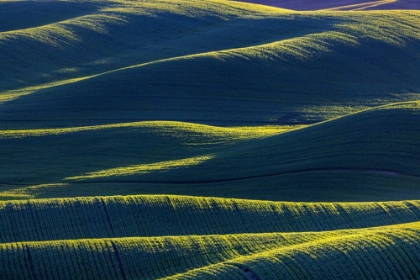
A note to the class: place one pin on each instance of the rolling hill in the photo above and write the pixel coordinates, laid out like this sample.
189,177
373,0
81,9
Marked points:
196,59
209,139
210,238
343,159
281,68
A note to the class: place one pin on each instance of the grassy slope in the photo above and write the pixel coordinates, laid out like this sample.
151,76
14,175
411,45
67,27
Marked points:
86,149
280,67
75,39
160,215
295,74
338,254
365,156
78,82
208,244
389,253
338,160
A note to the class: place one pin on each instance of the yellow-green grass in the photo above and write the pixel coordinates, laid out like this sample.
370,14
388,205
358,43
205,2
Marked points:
214,62
208,98
369,155
196,237
78,83
38,13
180,130
46,156
381,253
72,39
162,215
349,254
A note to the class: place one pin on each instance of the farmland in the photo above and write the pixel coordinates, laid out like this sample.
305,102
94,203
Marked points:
209,139
189,237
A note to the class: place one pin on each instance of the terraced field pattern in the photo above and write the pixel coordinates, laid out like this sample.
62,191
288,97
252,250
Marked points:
209,139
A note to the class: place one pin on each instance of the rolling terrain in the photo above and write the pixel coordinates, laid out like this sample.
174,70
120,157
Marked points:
267,256
178,237
320,162
186,139
227,64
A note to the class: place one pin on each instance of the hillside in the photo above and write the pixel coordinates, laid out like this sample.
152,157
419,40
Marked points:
95,91
192,238
162,215
338,160
286,66
209,139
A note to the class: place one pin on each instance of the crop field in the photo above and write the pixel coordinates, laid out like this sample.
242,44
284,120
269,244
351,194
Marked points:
209,139
190,237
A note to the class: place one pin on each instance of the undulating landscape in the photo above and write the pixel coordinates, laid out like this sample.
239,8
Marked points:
209,139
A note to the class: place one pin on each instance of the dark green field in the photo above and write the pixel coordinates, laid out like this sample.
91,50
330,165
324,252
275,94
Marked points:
214,139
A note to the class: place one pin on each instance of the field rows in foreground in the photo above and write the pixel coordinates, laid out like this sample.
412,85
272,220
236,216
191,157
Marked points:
196,237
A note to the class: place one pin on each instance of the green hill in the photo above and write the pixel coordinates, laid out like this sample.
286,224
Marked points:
209,139
73,39
194,238
162,215
224,64
56,154
330,255
287,66
370,155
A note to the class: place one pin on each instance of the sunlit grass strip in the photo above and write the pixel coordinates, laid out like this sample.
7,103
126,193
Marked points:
61,33
176,127
173,127
198,8
10,95
143,168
